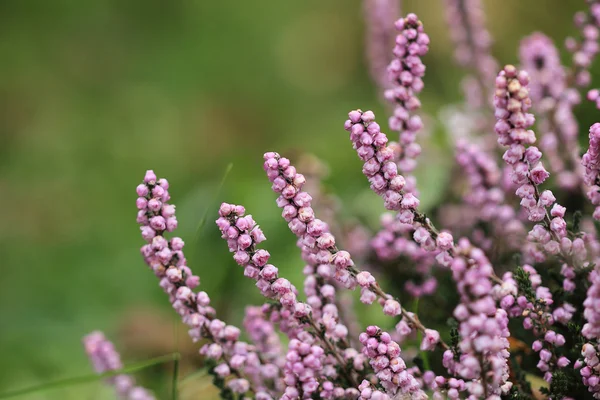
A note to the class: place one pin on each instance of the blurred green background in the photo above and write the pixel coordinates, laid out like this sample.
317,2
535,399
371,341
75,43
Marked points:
93,93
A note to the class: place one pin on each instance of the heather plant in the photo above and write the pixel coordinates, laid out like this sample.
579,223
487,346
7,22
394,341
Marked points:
502,302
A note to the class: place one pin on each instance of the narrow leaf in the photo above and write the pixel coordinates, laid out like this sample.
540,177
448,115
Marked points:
92,377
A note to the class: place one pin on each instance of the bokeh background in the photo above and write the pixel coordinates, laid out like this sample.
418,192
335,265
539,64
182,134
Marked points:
93,93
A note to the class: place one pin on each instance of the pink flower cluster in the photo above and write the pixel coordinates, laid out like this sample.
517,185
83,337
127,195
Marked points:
242,235
167,260
486,198
512,102
380,16
390,369
540,58
304,360
379,167
105,358
585,50
483,326
591,330
590,373
472,41
553,296
393,241
591,162
405,72
554,101
317,243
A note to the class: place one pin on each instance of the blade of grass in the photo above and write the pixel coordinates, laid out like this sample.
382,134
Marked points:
175,376
175,388
198,374
92,377
422,353
217,191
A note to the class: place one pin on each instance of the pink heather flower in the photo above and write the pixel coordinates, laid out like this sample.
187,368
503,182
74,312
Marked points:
585,50
485,198
594,96
304,362
390,370
365,279
589,373
167,261
591,330
315,240
478,309
540,58
430,339
317,244
392,307
472,42
105,358
405,71
512,102
591,163
380,16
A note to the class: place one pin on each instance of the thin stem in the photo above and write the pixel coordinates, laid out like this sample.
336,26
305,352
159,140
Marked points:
423,353
92,377
174,389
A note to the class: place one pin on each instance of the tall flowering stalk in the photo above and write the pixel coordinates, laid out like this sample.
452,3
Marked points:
236,360
585,49
486,199
105,358
484,352
472,41
406,71
512,103
242,235
318,245
591,162
554,102
380,16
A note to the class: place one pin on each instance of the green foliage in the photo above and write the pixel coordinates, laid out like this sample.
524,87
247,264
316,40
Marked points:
524,284
561,386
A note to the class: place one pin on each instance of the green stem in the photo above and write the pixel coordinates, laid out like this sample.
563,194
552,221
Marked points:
92,377
175,376
175,389
422,353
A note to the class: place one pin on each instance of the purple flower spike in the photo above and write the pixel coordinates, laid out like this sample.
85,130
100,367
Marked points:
554,102
380,16
485,198
540,58
589,373
591,162
512,103
105,358
591,330
472,41
391,372
472,271
167,260
405,72
586,48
